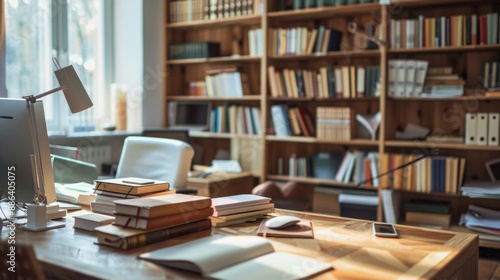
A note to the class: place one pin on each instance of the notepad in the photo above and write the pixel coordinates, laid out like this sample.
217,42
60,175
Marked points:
236,257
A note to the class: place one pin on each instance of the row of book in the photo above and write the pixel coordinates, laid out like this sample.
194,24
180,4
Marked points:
288,121
351,166
193,10
442,82
235,119
458,30
303,40
333,123
482,128
194,50
406,77
326,82
438,174
307,4
227,82
491,74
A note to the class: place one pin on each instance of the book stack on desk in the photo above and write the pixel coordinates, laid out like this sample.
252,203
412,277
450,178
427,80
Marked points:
235,209
110,190
143,221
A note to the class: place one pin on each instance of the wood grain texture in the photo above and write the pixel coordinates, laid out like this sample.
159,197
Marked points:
347,244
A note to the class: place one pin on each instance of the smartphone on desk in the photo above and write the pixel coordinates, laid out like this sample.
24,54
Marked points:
384,230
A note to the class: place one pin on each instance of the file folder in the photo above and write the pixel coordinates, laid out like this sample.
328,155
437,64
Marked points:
493,128
470,128
482,129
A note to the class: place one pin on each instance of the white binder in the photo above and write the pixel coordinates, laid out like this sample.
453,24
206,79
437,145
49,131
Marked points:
493,128
470,128
482,129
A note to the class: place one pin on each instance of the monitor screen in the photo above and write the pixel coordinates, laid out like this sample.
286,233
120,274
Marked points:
17,146
189,115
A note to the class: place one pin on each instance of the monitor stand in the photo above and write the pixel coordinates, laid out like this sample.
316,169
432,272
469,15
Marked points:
37,219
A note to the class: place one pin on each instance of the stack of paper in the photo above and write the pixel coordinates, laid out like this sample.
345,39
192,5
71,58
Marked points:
486,189
482,220
235,209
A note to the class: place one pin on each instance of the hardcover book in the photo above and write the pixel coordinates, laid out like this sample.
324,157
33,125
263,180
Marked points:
236,257
163,221
131,185
164,205
91,221
118,237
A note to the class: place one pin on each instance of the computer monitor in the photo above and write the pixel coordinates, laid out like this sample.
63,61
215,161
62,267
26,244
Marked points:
16,146
189,115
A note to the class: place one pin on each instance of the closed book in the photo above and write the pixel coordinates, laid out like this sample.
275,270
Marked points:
242,209
152,207
163,221
131,185
428,207
126,239
92,220
326,165
420,218
302,229
244,215
239,200
112,196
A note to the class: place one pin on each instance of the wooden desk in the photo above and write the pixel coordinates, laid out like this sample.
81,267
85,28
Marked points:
346,243
222,184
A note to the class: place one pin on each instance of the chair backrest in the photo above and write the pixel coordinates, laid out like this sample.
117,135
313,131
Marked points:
156,158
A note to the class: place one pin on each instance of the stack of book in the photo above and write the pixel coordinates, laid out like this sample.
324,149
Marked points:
144,221
428,213
442,82
235,209
110,190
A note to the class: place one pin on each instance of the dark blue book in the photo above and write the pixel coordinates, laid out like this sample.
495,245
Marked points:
334,40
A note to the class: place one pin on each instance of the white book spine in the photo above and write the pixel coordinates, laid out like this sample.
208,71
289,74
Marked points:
493,129
470,128
482,129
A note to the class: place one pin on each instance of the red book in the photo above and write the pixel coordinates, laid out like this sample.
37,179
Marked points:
482,29
302,122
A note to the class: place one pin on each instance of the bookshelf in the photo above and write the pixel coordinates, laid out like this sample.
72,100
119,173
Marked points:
262,152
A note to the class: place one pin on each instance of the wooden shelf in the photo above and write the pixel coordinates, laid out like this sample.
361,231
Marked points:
320,56
422,3
214,98
309,99
437,145
324,12
303,139
205,134
319,181
204,24
472,48
485,240
461,98
240,58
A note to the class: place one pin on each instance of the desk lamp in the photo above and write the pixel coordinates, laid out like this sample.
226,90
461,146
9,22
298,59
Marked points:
78,100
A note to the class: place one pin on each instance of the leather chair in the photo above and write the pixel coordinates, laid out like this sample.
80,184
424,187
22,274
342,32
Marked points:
156,158
290,195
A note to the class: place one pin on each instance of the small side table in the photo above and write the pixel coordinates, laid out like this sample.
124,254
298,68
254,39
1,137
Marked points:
222,184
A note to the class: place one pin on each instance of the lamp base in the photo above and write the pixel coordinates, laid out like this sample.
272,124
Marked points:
37,219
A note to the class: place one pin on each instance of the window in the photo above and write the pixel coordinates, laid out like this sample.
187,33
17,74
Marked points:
70,30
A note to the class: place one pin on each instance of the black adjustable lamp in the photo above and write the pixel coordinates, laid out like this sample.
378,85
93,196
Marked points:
78,100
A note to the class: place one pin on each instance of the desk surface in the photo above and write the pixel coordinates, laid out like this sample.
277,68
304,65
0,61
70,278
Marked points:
346,243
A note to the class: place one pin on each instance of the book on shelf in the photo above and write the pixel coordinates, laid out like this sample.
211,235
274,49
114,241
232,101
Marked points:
368,125
131,185
425,218
333,123
162,221
225,257
157,206
303,229
425,206
127,238
92,220
191,50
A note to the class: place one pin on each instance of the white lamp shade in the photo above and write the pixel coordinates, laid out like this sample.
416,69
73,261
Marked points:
74,92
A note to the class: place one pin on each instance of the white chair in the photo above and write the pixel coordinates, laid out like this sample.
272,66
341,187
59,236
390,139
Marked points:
156,158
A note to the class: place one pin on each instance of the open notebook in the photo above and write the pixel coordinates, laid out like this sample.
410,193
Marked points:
236,257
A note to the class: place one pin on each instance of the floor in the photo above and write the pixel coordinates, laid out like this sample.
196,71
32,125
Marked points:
489,264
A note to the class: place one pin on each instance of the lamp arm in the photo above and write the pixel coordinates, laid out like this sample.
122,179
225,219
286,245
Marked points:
33,98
